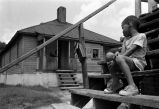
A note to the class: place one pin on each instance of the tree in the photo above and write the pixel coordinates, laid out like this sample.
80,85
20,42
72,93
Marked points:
2,45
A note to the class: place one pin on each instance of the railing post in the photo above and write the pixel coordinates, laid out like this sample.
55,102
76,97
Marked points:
137,8
83,58
44,56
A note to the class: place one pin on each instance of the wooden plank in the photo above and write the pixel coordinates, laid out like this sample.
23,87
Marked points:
152,41
69,84
100,76
31,52
152,53
149,25
152,33
64,71
75,87
144,100
150,16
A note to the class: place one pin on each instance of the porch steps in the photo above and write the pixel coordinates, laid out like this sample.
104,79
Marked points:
67,79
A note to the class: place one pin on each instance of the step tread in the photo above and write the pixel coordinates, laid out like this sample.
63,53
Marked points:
67,77
144,27
154,40
144,100
66,71
154,31
134,74
67,80
76,87
150,16
152,53
69,84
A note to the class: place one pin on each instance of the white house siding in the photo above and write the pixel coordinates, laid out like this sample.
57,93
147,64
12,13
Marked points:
29,64
37,78
92,65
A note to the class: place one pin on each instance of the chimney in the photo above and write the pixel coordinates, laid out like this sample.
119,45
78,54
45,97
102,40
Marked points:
61,14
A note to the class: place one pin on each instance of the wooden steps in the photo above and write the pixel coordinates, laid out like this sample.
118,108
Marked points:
110,101
149,25
67,79
152,33
150,16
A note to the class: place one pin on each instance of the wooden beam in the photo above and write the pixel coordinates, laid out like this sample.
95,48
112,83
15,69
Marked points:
144,100
44,55
137,8
69,54
31,52
83,60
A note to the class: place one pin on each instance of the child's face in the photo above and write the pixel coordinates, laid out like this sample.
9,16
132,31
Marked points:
126,30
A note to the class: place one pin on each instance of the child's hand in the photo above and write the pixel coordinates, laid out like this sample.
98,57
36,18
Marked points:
110,64
117,53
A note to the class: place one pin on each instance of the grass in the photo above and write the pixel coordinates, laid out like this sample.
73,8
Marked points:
18,97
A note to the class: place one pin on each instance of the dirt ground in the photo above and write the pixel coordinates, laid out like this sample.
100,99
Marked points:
18,97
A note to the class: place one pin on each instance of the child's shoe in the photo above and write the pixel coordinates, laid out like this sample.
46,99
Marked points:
129,90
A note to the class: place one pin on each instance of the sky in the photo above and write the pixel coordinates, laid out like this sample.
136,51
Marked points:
19,14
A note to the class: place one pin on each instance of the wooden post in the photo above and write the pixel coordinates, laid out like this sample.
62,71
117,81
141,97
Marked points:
57,54
69,54
83,58
152,5
44,55
137,8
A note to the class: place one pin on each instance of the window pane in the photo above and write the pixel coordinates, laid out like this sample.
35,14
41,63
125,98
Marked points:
95,53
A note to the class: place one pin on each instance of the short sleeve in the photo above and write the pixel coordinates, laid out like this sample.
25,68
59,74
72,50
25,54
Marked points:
140,39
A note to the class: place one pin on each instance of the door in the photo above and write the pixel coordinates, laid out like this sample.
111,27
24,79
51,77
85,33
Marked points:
63,55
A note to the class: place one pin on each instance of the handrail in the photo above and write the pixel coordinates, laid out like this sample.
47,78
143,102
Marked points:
31,52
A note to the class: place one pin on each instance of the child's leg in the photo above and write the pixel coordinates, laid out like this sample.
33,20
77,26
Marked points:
126,65
113,68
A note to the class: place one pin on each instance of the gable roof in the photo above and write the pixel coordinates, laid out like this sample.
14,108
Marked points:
54,27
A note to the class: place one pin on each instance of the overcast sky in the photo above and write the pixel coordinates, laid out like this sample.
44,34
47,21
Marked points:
19,14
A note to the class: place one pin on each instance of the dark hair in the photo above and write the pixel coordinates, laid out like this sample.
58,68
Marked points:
133,20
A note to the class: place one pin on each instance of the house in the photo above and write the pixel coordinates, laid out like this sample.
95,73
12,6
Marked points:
40,68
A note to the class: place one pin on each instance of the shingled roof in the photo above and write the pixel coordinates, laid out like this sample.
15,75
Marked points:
54,27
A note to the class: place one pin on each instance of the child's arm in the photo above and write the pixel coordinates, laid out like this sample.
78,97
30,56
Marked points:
130,51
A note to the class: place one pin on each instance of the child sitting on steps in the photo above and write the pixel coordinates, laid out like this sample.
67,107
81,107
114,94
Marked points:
131,58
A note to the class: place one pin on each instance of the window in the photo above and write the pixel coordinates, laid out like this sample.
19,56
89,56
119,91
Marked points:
95,53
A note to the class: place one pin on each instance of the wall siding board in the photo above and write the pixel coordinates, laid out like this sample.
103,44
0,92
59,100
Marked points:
29,64
51,56
92,65
11,54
